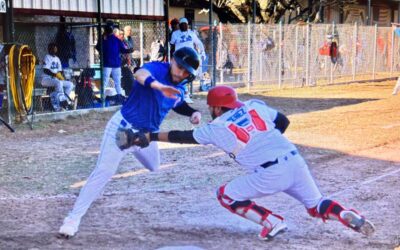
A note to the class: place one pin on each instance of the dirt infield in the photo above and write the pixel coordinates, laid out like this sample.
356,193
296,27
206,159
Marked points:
350,136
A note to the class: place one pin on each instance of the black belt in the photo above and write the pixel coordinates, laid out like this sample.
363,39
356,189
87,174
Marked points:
270,163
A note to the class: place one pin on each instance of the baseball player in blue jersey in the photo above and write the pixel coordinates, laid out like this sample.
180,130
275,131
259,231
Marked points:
252,134
158,88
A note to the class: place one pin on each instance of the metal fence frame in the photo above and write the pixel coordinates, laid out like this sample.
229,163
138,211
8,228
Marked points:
294,60
365,52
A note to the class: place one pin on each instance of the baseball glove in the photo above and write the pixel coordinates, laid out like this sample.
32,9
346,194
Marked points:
126,138
59,76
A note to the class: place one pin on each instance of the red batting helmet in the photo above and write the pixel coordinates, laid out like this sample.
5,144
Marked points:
223,96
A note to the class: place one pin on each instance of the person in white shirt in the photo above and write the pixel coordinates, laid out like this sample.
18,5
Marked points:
52,77
185,37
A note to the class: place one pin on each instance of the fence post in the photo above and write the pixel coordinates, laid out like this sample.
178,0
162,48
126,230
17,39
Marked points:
280,55
392,53
248,55
308,54
333,35
374,55
355,38
296,49
261,55
326,57
141,43
221,72
10,102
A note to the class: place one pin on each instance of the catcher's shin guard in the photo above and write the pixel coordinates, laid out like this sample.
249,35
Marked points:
272,224
329,209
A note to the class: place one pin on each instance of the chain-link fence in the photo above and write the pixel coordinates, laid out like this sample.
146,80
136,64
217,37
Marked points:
271,56
80,62
252,55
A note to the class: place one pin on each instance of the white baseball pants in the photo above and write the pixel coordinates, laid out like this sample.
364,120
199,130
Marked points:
59,85
107,164
290,175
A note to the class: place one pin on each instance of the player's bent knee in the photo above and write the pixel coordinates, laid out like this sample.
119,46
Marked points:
229,203
223,199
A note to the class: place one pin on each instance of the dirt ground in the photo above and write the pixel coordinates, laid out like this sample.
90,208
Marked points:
349,135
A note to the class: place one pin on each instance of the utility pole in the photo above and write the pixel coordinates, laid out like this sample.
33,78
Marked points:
254,11
369,13
100,41
166,15
8,35
211,34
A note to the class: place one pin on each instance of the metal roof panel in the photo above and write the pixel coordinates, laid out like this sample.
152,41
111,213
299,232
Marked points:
125,7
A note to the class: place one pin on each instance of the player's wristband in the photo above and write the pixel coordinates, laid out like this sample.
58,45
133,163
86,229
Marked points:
148,81
153,136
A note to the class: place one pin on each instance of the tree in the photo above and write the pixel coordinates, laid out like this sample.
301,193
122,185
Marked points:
271,11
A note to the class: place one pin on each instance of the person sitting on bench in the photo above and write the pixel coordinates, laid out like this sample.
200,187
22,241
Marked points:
52,77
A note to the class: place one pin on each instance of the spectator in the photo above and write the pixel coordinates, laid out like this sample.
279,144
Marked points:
184,37
65,42
126,60
112,48
118,34
174,26
52,77
129,42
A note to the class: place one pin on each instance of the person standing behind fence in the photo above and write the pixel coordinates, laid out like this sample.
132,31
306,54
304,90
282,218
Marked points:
65,42
112,48
52,77
174,26
184,37
126,61
128,40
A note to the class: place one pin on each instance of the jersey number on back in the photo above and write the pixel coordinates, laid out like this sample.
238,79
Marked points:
244,128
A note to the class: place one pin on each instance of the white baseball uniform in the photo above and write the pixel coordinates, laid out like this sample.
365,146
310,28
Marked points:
187,39
53,64
248,135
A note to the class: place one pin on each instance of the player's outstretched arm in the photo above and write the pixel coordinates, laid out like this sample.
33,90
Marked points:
146,79
126,138
174,136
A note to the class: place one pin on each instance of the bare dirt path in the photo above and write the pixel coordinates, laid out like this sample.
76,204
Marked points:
350,136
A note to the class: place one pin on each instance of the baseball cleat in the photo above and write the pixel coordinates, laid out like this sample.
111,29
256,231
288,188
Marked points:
69,228
357,222
268,234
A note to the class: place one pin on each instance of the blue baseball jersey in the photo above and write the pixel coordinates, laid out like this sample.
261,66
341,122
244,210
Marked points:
146,108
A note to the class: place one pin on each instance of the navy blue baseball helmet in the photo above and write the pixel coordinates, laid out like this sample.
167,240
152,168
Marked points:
188,59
